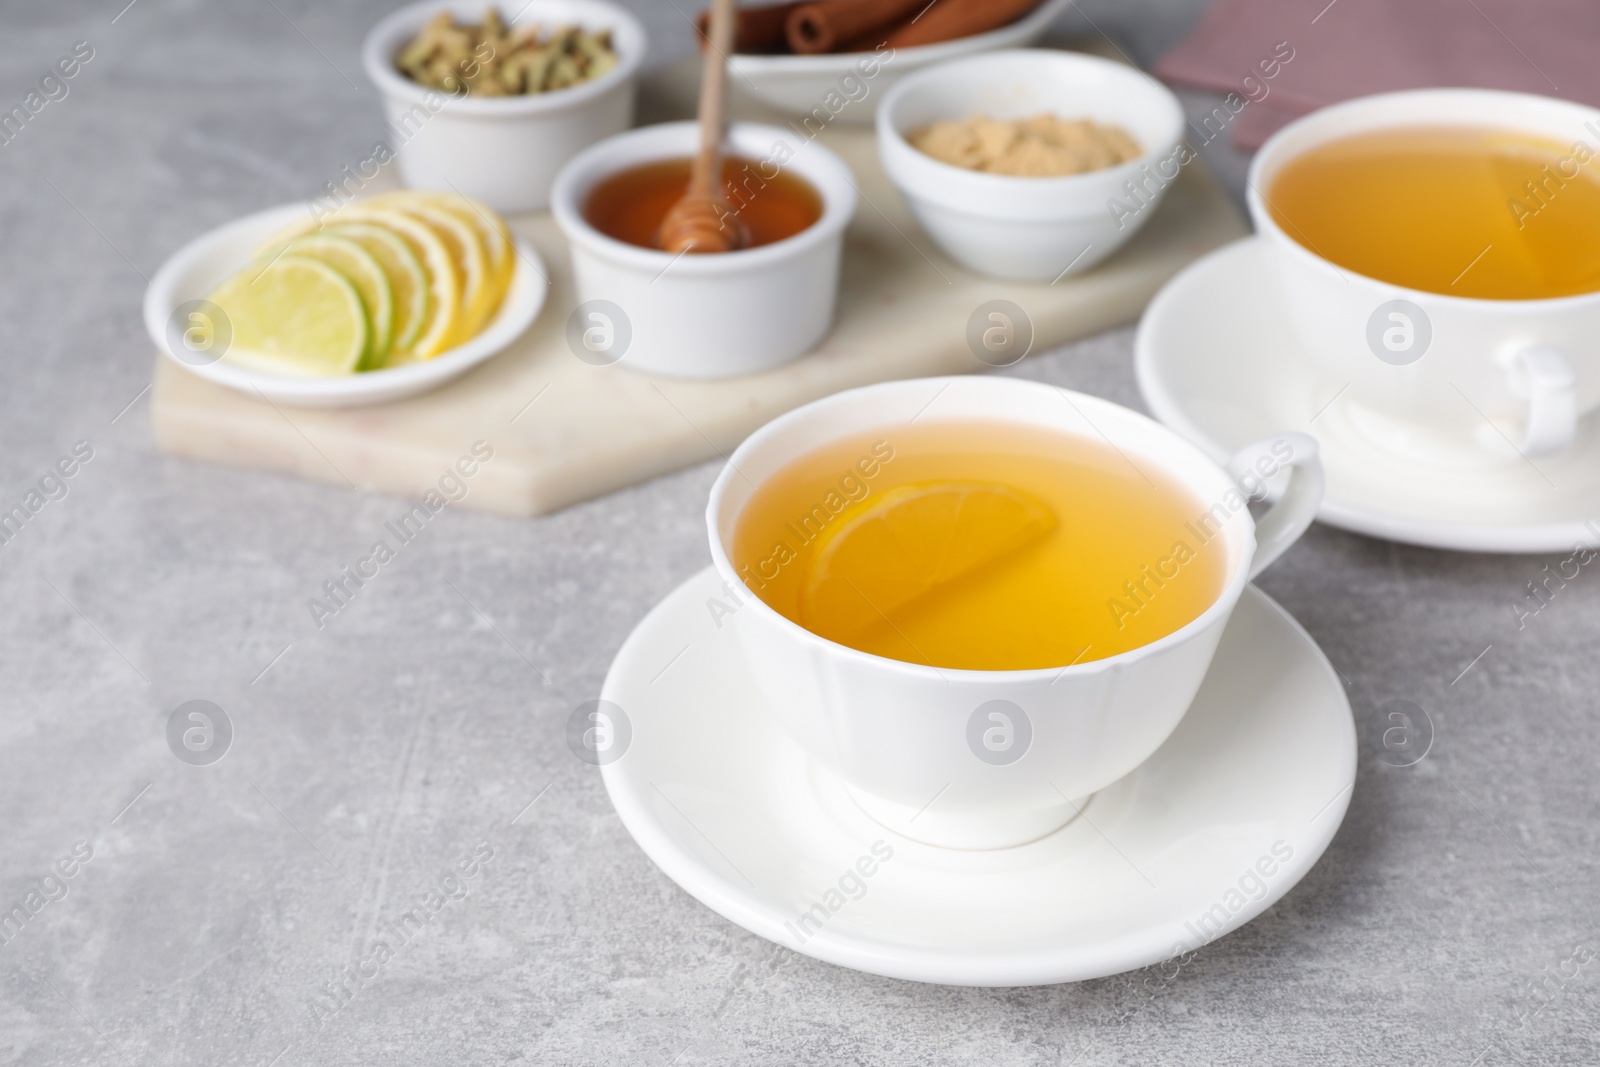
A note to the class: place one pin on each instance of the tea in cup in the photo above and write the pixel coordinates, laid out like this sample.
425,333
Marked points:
980,600
1436,250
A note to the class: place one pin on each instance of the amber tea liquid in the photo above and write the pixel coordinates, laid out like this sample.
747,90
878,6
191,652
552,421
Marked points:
979,545
1460,210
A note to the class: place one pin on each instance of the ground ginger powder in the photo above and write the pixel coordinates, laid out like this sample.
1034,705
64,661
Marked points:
1040,146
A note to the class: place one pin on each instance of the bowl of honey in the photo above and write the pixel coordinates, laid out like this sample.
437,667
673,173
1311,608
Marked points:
705,315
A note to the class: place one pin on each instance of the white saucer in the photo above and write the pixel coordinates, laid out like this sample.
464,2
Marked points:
1216,362
197,268
735,813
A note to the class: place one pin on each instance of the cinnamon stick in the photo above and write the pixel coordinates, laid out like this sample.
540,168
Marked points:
826,25
947,20
755,29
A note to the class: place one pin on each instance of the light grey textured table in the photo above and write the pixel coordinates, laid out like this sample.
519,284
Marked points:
1452,918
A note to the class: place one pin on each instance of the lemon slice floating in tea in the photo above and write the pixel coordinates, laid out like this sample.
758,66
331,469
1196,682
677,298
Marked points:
294,315
908,543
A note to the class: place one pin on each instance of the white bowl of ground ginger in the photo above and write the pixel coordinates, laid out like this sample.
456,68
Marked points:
1031,164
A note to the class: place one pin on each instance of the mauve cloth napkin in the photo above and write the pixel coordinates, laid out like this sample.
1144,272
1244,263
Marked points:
1356,47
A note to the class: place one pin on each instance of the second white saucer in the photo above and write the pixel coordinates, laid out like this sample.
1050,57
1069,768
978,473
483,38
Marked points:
1208,833
1216,361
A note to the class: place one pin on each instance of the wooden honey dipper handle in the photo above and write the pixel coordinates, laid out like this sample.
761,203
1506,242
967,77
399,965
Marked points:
702,220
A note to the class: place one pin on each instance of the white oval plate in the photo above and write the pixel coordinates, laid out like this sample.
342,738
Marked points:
196,269
797,84
1205,835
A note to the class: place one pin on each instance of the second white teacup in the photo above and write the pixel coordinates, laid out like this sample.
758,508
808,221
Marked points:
994,758
1470,380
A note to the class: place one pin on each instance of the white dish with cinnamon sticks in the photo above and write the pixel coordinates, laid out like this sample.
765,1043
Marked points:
1024,228
847,86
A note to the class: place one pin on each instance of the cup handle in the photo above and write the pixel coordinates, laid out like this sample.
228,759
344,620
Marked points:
1286,520
1543,376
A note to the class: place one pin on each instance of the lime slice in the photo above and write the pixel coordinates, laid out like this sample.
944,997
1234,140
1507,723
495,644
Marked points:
408,282
294,315
449,253
368,276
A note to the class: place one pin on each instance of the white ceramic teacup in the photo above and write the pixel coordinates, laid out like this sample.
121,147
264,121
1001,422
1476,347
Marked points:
990,759
1448,377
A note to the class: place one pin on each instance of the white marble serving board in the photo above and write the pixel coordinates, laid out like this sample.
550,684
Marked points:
563,431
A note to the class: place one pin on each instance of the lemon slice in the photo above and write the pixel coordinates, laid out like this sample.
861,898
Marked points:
438,263
408,282
491,227
495,238
470,258
368,276
907,544
294,315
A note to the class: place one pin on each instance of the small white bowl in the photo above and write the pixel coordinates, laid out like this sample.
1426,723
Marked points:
1032,229
504,150
196,269
829,87
708,316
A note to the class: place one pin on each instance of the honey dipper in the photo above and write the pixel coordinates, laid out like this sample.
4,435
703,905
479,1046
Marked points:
703,221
